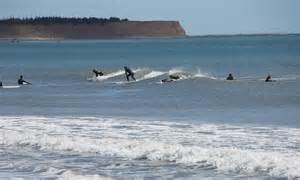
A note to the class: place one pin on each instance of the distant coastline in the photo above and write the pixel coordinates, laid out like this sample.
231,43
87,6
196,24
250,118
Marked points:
58,28
16,40
254,34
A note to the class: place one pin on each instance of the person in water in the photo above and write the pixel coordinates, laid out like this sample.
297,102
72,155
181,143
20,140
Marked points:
171,78
269,79
21,81
230,77
1,85
129,73
97,73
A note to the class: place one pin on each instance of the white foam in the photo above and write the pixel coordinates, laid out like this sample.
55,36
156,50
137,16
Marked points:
201,74
189,75
176,71
286,78
242,150
153,74
70,175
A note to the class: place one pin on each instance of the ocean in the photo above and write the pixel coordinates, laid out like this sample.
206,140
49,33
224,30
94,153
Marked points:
70,124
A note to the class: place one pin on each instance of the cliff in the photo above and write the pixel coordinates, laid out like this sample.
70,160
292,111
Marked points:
88,30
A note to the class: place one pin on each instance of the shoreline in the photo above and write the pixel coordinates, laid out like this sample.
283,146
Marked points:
13,39
255,34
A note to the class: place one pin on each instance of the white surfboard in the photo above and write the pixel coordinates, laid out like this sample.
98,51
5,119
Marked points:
127,82
10,87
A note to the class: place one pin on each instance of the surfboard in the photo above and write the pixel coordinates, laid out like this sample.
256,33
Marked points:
127,82
10,87
25,83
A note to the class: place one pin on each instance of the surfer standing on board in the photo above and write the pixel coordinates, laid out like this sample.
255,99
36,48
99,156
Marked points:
129,73
21,81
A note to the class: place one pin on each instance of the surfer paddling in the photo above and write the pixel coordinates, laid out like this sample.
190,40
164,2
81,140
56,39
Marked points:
129,73
97,73
21,81
171,78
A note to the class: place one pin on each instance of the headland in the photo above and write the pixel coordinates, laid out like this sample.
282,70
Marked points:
49,28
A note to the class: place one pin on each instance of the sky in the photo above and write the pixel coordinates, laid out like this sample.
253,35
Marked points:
198,17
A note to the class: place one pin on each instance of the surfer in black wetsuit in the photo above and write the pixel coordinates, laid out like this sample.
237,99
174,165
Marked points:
129,73
230,77
171,78
174,77
97,73
1,85
21,81
269,79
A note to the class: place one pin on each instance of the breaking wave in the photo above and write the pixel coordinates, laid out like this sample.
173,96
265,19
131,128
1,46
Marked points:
107,76
146,73
266,151
190,74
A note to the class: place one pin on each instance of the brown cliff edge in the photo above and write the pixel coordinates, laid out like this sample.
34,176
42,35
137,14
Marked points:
96,30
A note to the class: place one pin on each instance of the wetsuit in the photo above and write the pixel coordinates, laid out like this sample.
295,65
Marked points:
98,73
21,81
268,79
175,77
171,78
129,73
230,77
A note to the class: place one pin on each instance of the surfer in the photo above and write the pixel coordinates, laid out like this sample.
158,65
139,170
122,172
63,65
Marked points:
269,79
97,73
171,78
230,77
1,85
129,73
174,77
21,81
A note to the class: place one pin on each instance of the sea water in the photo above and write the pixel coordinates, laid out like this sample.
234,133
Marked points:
72,125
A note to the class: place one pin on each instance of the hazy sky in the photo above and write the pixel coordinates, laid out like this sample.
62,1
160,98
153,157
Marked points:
198,17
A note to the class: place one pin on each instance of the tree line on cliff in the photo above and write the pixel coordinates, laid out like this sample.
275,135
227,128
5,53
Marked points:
61,20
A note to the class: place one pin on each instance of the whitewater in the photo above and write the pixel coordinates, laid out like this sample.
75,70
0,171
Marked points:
247,150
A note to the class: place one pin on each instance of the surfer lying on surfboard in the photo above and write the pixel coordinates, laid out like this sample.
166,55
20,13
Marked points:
129,73
171,78
21,81
97,73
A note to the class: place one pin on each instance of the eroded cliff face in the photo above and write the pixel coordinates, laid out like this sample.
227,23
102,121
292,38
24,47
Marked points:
93,31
